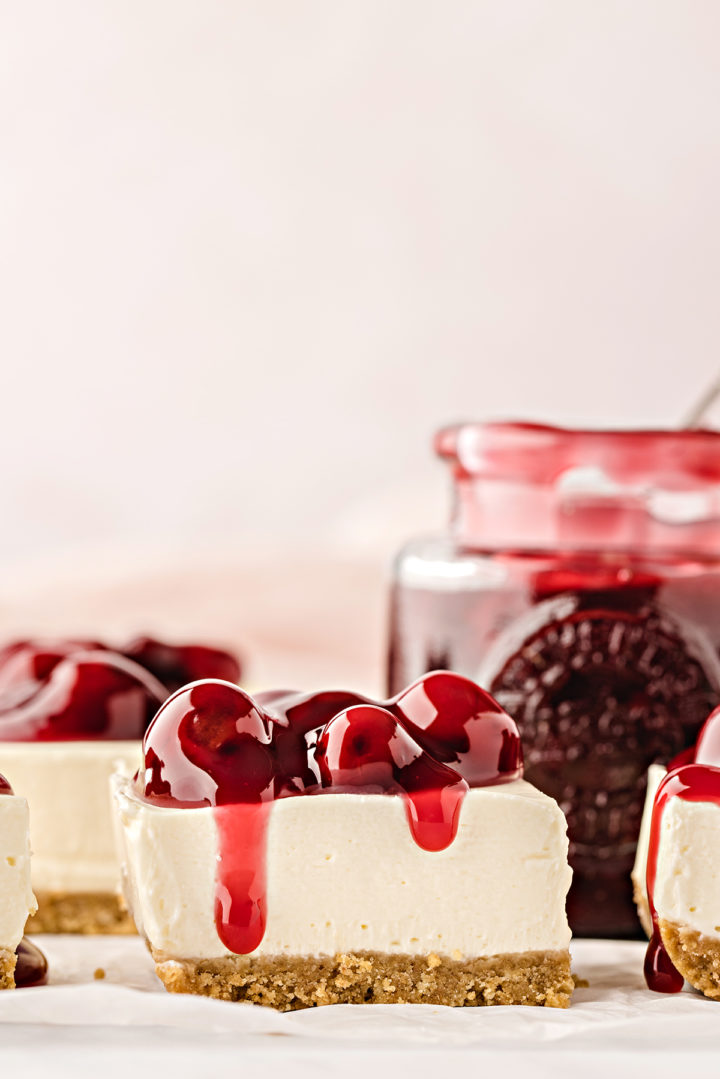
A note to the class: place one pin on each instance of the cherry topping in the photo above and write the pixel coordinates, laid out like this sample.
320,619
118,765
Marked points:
296,720
208,745
685,756
177,664
87,695
365,747
25,662
32,967
50,690
462,725
211,744
5,787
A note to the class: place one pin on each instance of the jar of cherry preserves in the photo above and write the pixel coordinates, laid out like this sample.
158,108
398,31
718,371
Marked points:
580,583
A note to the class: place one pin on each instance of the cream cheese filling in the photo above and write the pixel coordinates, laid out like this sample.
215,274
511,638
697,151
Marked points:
687,884
67,788
16,897
345,875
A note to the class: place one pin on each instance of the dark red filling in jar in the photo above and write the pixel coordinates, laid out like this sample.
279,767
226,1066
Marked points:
580,584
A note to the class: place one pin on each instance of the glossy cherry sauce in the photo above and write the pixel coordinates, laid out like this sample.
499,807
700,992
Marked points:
211,744
177,664
59,690
32,967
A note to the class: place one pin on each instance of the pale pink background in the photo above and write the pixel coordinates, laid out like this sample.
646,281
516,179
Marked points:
254,253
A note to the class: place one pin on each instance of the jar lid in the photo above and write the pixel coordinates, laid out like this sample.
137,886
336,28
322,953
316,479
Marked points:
530,485
542,454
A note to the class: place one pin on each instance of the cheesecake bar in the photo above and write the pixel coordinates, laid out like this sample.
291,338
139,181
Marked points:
676,876
16,897
304,849
72,713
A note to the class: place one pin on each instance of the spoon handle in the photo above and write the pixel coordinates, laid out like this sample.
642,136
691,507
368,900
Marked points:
697,413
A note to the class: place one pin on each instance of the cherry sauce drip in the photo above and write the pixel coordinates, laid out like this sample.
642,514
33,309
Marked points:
32,967
366,748
693,783
241,883
213,745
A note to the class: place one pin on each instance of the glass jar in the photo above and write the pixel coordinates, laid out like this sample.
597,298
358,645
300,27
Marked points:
580,583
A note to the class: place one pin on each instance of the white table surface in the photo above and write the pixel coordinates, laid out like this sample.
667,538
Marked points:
125,1024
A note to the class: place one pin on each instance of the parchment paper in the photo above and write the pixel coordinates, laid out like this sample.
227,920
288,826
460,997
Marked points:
126,1021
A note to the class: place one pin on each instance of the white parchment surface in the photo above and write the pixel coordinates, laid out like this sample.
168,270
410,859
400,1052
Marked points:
126,1022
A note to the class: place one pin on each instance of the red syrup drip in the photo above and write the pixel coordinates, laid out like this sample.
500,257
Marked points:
434,816
31,968
241,882
692,783
365,748
212,745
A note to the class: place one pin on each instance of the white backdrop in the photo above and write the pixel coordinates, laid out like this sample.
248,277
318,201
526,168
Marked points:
254,253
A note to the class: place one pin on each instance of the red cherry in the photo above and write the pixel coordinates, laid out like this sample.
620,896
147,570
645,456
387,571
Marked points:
297,719
25,662
460,724
31,967
86,695
361,747
208,745
5,787
707,747
365,747
211,744
177,664
686,756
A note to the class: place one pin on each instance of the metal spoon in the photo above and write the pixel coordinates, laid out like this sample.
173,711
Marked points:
696,416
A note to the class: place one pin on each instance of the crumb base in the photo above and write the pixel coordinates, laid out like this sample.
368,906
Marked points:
8,960
291,982
80,912
695,955
643,909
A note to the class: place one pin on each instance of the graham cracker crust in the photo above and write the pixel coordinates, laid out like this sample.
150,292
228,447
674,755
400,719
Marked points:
695,955
7,969
77,912
291,982
643,909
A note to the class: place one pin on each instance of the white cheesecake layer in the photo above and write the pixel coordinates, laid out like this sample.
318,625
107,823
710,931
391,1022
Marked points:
345,875
67,788
16,897
687,883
